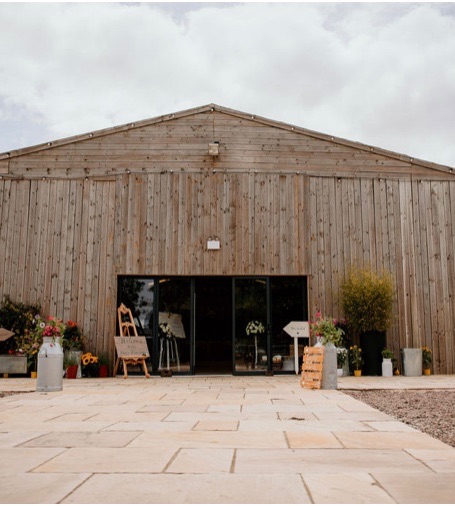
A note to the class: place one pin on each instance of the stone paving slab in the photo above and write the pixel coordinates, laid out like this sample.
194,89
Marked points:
216,440
326,461
346,488
219,488
82,440
26,488
418,488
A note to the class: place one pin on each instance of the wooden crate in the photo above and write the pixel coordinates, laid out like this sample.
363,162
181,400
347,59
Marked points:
312,367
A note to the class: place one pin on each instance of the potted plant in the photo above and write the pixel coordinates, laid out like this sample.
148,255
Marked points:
387,366
103,360
327,334
70,363
367,299
21,349
427,359
356,359
90,365
342,356
73,342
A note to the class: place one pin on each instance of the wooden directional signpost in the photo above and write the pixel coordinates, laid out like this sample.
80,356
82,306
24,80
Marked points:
296,330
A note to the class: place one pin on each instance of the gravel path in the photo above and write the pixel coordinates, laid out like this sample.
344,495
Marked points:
430,411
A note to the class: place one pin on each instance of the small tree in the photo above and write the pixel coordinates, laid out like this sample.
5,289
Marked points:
367,299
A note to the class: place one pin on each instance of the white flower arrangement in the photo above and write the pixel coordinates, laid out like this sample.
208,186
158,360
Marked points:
165,330
254,327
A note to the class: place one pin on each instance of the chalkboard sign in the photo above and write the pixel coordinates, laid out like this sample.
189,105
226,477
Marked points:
131,346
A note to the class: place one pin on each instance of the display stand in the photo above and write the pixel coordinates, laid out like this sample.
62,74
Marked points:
131,348
313,359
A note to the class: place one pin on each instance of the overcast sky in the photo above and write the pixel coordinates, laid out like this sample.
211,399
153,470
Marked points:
382,74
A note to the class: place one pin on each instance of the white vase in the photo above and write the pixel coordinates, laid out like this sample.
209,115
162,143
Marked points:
339,372
387,368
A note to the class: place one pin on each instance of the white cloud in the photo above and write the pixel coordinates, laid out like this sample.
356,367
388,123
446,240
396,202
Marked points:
382,74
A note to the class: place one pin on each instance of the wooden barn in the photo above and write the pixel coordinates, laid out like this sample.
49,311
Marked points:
209,220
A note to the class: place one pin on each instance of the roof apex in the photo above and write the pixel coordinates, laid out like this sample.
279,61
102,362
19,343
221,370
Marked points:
214,107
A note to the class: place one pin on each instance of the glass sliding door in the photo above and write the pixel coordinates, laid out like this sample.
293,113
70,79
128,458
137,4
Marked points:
288,302
250,324
138,294
174,324
217,324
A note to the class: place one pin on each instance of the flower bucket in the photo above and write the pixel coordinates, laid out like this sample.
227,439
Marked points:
71,372
357,372
427,372
104,371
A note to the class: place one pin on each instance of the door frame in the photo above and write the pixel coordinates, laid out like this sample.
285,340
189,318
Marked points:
267,327
193,302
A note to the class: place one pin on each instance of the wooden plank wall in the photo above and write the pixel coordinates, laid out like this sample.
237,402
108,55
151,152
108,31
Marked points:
405,227
63,242
145,198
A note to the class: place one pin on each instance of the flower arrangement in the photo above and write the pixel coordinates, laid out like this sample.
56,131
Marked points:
164,330
72,337
28,345
325,330
254,327
342,356
48,327
355,357
427,357
31,340
90,365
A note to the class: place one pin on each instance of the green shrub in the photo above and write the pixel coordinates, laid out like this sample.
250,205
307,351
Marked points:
18,318
367,299
386,353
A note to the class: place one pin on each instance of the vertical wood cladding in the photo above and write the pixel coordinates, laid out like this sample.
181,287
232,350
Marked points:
62,242
145,201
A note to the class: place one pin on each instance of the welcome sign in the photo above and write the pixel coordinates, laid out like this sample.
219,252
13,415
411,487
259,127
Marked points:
131,346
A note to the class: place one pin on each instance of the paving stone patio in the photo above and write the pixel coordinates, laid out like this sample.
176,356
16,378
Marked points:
216,439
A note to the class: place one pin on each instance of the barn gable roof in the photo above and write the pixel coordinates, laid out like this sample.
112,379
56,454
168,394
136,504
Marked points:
172,117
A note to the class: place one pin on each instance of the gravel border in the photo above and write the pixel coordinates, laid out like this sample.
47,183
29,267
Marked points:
430,411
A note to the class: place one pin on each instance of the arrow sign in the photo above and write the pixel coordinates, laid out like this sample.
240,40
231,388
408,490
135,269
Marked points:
5,334
298,329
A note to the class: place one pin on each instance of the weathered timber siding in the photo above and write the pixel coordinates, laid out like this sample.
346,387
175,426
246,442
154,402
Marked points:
63,242
143,199
402,226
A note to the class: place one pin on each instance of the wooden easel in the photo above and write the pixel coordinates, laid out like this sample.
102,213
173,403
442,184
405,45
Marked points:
312,367
126,327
